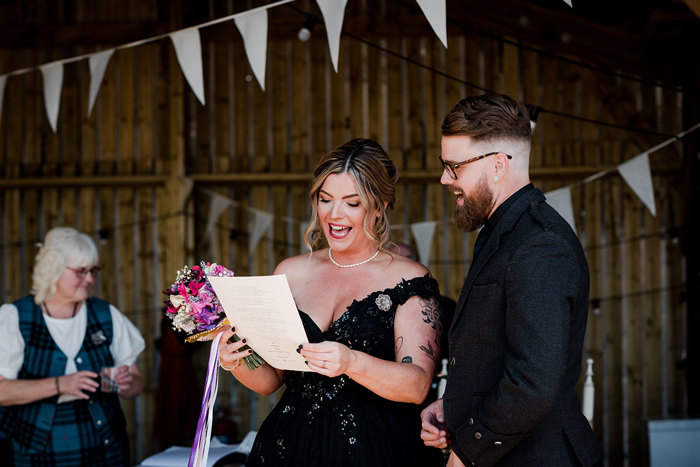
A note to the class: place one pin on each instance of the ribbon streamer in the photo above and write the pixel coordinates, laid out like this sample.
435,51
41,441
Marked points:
200,447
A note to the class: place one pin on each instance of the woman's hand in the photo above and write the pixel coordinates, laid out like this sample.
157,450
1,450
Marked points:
78,384
124,379
328,358
229,351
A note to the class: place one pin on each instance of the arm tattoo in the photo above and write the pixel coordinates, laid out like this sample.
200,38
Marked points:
398,344
429,350
407,359
430,309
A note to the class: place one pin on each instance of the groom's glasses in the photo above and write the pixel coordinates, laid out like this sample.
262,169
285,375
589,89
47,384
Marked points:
452,167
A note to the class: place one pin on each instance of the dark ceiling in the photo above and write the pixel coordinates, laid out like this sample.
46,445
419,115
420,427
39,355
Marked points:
655,40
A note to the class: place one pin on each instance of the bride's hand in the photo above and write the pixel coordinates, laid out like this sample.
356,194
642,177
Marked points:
229,351
328,358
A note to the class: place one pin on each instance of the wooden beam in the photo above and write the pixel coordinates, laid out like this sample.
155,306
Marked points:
82,182
413,176
689,244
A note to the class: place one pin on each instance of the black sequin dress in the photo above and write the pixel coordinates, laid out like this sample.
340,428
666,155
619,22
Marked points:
322,421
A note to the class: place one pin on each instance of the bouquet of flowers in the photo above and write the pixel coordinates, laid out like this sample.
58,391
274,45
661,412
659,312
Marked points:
195,309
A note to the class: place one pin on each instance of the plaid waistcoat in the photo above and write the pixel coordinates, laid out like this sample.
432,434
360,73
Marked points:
29,425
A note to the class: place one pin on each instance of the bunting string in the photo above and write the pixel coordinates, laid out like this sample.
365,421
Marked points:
252,24
434,11
656,148
148,40
552,55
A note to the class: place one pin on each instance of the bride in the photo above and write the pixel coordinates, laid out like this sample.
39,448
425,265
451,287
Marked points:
373,322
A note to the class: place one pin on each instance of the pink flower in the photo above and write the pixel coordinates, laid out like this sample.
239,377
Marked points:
195,286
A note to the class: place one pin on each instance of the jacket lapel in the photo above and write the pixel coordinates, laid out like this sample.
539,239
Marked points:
505,224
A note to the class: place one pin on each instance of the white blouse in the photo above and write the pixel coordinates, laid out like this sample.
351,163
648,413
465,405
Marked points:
69,335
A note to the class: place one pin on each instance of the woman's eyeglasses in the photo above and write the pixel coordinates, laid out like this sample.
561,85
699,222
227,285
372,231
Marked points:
452,167
83,272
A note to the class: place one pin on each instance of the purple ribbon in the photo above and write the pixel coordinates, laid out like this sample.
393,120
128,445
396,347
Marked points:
207,399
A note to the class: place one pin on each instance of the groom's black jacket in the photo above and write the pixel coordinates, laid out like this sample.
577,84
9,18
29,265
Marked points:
515,344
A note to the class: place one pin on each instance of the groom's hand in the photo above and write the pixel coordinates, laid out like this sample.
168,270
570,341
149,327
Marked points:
433,428
454,461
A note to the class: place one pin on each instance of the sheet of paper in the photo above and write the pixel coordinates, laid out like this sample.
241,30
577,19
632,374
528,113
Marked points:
263,311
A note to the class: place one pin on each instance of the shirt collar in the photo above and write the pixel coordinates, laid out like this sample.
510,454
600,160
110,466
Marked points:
501,210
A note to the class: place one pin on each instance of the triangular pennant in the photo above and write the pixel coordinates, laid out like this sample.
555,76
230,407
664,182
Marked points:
98,64
53,83
561,201
568,2
436,14
253,28
217,205
188,49
302,231
333,12
3,81
261,222
637,174
187,185
423,234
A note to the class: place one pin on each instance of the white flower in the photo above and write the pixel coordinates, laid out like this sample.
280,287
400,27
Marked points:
383,302
184,322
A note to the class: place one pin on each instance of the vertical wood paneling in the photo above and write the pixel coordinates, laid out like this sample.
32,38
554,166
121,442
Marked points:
636,335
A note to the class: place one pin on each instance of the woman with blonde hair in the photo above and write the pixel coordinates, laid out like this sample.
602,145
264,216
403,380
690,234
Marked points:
54,344
372,319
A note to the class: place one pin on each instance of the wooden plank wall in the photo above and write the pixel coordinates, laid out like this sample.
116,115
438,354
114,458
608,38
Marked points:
147,123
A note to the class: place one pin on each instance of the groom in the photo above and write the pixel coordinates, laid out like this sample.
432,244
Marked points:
516,336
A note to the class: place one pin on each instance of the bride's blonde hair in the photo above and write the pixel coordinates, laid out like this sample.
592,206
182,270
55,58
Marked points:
375,176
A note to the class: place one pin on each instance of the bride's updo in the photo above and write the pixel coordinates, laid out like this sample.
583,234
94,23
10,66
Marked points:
375,178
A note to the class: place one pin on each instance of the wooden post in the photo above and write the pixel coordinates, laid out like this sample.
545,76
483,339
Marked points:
690,244
172,235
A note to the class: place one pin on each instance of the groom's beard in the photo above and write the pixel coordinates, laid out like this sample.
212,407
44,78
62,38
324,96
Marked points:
475,210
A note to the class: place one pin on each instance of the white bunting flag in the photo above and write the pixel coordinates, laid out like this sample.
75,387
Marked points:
333,12
217,205
637,174
253,28
561,201
568,2
423,233
436,14
3,81
187,185
302,231
98,64
53,83
261,223
188,49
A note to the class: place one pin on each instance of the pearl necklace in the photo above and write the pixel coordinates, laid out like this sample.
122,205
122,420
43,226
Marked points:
355,264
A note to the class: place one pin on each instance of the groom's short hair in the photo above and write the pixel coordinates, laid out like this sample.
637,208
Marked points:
488,116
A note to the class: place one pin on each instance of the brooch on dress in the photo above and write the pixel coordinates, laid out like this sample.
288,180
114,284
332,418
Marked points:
383,302
98,337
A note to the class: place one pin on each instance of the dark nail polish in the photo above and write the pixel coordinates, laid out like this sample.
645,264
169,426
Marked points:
306,362
250,350
244,340
301,346
233,329
298,349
